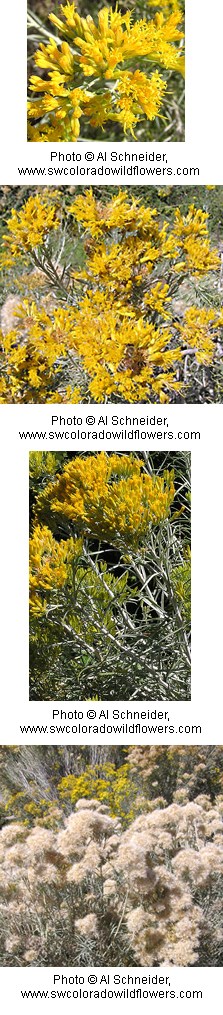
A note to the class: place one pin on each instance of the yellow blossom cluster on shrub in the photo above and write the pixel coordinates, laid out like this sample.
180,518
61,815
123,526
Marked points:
109,496
50,563
35,355
43,465
92,70
123,297
105,539
112,786
29,227
127,357
199,331
71,600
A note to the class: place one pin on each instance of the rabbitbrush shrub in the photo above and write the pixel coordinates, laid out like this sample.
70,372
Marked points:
145,291
117,863
110,576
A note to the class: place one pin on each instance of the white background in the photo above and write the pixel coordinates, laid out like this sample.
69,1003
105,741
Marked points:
207,980
204,23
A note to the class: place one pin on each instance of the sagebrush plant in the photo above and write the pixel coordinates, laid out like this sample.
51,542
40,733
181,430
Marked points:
109,574
135,269
132,875
114,68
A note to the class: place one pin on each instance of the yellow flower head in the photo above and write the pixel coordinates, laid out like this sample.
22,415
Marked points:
107,50
29,227
50,565
110,496
120,297
200,330
191,233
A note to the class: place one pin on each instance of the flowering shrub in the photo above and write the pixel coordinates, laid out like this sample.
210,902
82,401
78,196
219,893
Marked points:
96,883
108,613
125,295
165,857
111,786
113,69
50,563
30,227
110,497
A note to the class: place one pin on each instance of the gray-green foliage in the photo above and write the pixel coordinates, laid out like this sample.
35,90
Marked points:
119,628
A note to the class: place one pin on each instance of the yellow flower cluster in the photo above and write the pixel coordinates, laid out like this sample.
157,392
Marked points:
187,244
50,565
113,786
127,357
191,233
103,51
166,4
137,92
64,589
29,227
120,298
43,465
109,497
200,331
33,356
119,212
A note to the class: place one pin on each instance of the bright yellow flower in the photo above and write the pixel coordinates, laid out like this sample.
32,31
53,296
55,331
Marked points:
200,330
110,497
119,212
50,565
191,232
29,227
119,297
103,50
157,299
138,95
34,357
